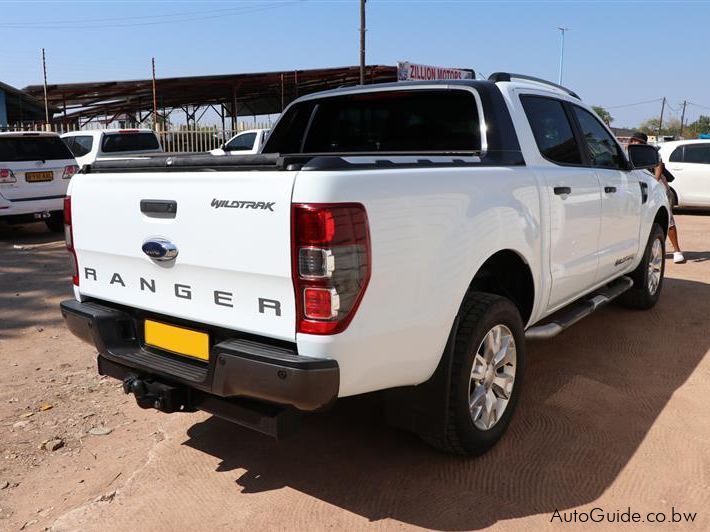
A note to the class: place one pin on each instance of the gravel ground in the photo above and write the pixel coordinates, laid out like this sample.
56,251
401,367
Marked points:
614,415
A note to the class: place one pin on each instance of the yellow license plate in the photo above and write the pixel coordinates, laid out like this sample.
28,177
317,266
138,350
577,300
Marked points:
177,340
36,177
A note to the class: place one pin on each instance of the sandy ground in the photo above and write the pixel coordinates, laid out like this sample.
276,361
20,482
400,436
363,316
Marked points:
614,415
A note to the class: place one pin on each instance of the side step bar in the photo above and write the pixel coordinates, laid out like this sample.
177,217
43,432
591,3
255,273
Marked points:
571,314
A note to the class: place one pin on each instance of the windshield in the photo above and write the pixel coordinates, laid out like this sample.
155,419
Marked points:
389,121
28,148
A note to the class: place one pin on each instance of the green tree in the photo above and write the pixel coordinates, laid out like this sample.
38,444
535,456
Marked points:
701,125
649,126
671,126
603,114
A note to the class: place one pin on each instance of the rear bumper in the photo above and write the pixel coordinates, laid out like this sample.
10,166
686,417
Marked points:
238,367
30,206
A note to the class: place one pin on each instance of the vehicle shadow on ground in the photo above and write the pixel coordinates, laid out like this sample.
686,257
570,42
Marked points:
591,396
693,256
34,271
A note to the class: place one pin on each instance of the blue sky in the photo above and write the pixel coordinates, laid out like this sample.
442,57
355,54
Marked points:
616,53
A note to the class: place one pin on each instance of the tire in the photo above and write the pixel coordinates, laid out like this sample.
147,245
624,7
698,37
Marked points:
673,198
481,316
55,223
645,293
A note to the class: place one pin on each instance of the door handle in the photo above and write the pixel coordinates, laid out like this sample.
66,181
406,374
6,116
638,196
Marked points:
609,190
159,207
561,191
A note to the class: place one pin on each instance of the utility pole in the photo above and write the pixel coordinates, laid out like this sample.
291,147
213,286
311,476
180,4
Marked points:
682,118
562,51
156,127
660,122
46,105
362,42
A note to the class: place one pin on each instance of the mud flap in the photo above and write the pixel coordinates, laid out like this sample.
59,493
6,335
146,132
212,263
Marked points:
423,409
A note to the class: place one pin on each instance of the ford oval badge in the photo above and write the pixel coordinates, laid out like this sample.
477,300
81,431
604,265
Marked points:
160,249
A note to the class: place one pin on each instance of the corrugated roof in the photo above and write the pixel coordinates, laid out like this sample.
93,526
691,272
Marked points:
255,94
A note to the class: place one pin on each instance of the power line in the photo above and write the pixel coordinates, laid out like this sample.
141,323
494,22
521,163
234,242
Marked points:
113,19
698,105
215,14
634,104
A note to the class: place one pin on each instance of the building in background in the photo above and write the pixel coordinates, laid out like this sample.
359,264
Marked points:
18,107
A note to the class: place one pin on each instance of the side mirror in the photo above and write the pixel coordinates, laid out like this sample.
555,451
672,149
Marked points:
643,156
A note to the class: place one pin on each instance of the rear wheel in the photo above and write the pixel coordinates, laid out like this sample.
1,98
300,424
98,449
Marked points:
55,222
674,198
486,374
648,276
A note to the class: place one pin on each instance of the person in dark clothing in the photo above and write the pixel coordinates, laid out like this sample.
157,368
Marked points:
641,138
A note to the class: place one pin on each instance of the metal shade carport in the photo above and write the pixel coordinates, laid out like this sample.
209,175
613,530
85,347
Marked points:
230,95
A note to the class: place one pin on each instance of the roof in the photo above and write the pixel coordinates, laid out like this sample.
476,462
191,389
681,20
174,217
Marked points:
28,134
399,85
97,132
255,94
675,143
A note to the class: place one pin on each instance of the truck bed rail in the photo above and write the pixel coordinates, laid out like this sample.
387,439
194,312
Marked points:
190,162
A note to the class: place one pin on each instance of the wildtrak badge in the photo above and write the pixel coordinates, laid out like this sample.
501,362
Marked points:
236,204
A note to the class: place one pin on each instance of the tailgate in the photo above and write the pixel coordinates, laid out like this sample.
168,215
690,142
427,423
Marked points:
232,234
36,180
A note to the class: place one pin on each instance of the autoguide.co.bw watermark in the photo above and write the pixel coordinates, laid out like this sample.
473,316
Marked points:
599,515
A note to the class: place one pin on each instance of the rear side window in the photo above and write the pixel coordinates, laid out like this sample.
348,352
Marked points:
552,129
602,149
245,141
28,148
80,145
677,155
393,121
697,153
121,142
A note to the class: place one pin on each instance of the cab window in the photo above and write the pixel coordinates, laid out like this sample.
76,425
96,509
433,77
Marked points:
603,151
697,153
129,141
80,145
552,130
242,142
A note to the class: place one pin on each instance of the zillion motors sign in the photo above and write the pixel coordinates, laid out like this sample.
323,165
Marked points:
407,71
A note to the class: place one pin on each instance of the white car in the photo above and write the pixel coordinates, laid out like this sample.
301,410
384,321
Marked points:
35,170
244,143
689,162
87,146
403,238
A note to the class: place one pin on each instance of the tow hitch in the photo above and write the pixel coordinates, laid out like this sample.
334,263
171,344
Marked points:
151,394
274,420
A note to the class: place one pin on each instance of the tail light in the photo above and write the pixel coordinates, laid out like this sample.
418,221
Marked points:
69,239
69,171
6,176
331,264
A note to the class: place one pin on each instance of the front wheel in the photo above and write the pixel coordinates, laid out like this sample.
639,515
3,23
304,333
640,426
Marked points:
486,374
648,276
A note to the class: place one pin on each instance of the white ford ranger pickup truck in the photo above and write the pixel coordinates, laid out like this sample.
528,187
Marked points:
403,238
